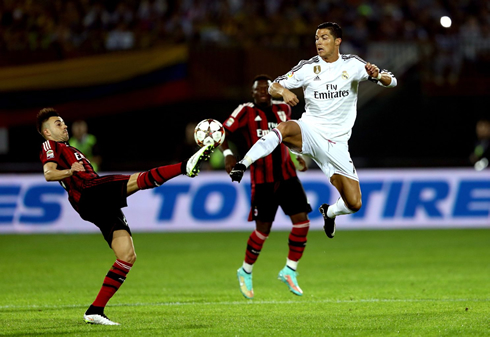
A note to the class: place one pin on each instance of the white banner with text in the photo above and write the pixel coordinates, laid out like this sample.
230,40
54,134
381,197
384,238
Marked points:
398,198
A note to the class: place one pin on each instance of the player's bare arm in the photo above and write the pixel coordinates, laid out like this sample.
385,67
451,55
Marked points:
277,91
230,160
51,172
373,71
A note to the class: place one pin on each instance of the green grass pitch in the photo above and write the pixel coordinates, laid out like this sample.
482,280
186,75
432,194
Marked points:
362,283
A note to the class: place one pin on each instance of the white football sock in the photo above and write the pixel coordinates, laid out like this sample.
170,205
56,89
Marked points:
247,267
263,147
292,264
339,208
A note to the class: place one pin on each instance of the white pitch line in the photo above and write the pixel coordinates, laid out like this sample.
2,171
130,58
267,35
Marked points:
250,302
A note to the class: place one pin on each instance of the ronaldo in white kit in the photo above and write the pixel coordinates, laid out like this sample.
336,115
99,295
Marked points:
330,82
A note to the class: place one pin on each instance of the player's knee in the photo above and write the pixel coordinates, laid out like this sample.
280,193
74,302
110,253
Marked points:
129,257
291,135
283,128
355,205
263,227
287,129
133,257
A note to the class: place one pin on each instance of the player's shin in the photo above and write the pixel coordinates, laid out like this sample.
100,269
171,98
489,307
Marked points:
263,147
297,243
112,282
254,246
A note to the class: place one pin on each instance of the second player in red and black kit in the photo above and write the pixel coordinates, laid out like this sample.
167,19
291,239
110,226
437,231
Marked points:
274,183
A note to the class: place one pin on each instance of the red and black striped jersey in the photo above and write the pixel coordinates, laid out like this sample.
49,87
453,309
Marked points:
253,122
64,156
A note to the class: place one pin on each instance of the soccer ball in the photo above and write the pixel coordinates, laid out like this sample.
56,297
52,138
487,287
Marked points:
209,131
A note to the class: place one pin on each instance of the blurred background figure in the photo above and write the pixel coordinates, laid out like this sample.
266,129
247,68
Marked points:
448,58
120,38
86,143
481,154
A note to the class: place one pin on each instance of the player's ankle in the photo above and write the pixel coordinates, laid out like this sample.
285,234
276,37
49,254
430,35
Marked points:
93,310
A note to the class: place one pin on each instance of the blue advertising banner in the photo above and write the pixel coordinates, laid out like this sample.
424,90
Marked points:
425,198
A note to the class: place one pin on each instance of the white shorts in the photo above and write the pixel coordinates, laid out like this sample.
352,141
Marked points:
332,157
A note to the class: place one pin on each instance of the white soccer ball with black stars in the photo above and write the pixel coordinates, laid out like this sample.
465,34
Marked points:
209,131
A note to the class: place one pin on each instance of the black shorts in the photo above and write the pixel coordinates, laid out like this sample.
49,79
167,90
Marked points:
101,204
266,198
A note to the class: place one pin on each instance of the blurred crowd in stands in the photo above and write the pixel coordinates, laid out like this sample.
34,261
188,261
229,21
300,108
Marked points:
34,31
73,27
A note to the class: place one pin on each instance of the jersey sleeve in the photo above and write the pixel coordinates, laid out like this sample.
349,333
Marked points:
237,119
363,75
294,78
49,152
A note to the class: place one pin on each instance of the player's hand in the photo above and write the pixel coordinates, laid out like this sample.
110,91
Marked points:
372,70
77,167
301,164
230,162
289,97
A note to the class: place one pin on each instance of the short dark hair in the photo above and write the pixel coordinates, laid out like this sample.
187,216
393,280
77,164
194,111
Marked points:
333,27
43,116
261,77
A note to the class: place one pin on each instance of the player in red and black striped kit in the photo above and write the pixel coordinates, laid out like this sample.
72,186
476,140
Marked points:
274,183
99,199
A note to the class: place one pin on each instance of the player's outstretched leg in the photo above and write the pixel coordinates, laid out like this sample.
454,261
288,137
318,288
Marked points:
288,276
329,226
236,173
245,282
193,165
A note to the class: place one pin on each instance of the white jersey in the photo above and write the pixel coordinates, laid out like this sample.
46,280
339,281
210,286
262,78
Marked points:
330,91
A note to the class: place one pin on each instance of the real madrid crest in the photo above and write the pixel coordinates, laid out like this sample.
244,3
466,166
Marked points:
345,75
317,69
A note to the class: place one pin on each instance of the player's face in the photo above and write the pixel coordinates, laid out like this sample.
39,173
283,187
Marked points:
260,92
56,129
327,46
